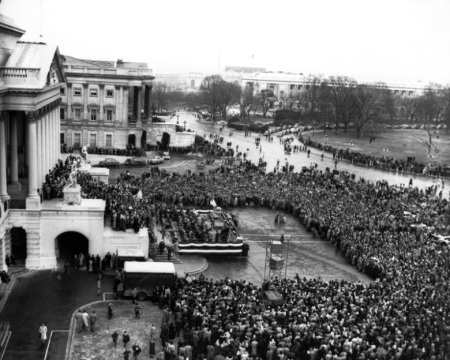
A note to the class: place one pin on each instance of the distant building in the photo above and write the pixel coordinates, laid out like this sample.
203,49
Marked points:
234,74
286,84
105,103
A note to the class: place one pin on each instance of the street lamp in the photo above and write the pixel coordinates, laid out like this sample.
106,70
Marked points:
184,124
178,116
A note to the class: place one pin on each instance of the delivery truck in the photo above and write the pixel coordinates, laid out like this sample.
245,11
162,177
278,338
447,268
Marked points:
143,277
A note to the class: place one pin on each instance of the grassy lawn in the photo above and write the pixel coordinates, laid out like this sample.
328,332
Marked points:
99,345
401,144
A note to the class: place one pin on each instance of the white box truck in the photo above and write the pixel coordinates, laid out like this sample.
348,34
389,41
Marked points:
145,277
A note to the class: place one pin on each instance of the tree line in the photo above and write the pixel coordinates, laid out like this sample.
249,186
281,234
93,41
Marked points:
336,100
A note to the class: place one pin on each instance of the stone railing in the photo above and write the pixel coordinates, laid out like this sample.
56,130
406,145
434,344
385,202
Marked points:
23,73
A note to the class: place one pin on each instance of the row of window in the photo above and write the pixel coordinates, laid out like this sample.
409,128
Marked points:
93,139
93,113
77,91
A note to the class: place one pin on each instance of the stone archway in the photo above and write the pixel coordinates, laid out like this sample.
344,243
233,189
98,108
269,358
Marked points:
70,243
19,244
132,139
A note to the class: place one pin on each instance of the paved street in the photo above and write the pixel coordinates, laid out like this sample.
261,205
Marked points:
272,151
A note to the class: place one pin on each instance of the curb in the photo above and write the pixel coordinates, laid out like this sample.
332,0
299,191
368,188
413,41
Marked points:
69,346
202,268
10,286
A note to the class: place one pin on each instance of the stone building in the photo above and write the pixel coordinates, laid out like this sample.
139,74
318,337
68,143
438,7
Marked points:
105,103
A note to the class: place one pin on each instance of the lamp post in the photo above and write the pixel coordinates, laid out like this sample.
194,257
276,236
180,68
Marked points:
184,124
178,116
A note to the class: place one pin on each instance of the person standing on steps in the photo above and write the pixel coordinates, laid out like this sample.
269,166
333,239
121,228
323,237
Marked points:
110,311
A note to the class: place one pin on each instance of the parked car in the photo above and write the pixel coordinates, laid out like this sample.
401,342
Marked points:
156,160
109,162
166,155
136,161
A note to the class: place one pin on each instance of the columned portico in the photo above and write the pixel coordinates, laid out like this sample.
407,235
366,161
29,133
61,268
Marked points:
15,184
4,115
33,200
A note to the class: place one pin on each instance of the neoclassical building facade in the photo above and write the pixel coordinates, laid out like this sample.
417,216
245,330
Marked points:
104,103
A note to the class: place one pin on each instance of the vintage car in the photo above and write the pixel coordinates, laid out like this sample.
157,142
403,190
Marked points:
166,155
156,160
136,161
109,162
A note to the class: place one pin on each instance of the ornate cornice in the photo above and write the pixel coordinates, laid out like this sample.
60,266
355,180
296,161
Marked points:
33,116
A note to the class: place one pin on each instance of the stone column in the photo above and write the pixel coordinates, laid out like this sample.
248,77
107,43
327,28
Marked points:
125,104
58,133
41,145
15,184
139,106
69,102
4,115
54,118
135,101
85,101
101,99
118,93
46,120
51,149
39,154
33,201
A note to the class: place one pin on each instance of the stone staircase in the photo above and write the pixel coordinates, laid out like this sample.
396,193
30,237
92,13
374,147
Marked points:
163,257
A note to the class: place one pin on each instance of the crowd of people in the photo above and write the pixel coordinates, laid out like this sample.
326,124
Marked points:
382,162
382,230
335,320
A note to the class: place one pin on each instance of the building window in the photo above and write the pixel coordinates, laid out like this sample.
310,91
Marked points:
108,140
77,114
292,87
94,114
77,91
93,140
62,90
76,139
93,92
62,113
109,115
109,93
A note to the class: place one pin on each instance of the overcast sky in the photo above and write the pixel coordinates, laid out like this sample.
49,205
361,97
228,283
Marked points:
389,40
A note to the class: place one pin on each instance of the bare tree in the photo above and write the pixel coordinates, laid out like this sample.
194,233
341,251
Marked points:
211,92
248,100
368,102
229,94
266,96
337,91
160,96
311,97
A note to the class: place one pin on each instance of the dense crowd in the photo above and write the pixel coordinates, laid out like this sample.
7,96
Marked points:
382,162
317,320
382,230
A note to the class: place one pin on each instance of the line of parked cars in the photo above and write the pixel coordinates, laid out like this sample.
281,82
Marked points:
136,161
417,126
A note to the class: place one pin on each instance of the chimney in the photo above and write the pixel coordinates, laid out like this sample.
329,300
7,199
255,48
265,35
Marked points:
119,63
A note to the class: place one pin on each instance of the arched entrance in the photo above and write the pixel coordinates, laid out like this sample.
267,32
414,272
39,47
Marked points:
144,139
132,139
19,244
70,243
165,141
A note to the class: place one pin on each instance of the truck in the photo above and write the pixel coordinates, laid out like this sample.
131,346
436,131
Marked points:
145,277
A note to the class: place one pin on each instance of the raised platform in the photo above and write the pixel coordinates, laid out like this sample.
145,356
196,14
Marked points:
101,174
114,240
